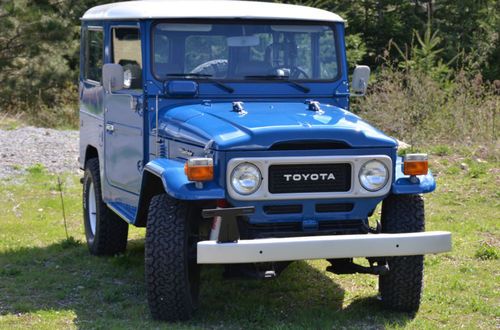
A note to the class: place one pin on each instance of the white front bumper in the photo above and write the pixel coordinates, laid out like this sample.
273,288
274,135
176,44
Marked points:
323,247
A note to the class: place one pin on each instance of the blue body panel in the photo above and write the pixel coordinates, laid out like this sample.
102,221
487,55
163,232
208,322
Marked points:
178,186
402,184
195,118
267,123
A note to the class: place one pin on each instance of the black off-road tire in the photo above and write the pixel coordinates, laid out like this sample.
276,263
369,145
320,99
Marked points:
111,232
401,288
172,274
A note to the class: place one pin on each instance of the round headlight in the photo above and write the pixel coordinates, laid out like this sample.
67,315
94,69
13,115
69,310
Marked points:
245,178
373,175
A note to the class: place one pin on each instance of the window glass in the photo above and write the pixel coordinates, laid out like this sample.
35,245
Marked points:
94,55
127,53
328,55
245,50
162,47
204,50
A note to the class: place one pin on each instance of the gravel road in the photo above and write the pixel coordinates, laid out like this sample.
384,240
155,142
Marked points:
24,147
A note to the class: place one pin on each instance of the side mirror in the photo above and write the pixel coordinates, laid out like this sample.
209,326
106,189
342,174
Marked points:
360,79
112,77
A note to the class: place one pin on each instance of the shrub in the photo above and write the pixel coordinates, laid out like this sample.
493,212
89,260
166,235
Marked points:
415,108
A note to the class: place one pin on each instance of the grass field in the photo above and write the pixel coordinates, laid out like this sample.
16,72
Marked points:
50,282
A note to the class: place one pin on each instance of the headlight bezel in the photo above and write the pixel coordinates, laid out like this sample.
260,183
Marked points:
232,178
364,185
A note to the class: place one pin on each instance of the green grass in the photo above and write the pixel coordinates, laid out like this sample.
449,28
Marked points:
50,282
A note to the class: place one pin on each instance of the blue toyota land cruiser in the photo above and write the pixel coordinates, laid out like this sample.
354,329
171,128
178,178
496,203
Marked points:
223,127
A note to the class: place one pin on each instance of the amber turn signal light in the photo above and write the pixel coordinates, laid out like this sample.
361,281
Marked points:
415,164
199,169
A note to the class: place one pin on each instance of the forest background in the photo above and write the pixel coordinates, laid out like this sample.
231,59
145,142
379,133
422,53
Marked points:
436,65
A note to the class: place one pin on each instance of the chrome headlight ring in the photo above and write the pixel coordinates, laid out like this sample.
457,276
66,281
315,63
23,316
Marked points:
373,175
246,178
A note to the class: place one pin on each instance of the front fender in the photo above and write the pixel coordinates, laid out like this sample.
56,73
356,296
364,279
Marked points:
403,185
177,185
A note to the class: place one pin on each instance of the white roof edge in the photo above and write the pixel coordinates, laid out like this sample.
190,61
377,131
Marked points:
154,9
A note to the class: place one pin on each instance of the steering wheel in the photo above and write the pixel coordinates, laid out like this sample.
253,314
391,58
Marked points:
216,68
296,72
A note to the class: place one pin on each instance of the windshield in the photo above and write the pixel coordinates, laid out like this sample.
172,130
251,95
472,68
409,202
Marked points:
248,50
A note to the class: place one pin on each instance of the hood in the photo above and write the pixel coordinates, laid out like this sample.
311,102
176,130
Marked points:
264,124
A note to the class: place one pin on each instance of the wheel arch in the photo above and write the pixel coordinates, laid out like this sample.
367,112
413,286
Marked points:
152,185
90,152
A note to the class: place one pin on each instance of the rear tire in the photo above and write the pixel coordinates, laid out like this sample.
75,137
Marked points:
106,232
172,274
401,288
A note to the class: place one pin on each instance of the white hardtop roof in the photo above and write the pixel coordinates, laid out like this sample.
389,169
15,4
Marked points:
146,9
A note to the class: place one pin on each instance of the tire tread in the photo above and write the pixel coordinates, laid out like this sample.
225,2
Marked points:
166,272
401,288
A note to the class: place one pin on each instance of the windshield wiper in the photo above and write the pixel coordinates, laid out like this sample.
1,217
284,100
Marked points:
303,88
207,77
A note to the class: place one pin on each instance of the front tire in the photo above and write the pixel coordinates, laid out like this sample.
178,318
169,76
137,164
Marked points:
171,271
401,288
106,233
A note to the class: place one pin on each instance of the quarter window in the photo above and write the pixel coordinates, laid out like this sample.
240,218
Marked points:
93,55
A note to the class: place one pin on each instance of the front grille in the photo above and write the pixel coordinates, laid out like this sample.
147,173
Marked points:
294,229
309,145
309,178
343,226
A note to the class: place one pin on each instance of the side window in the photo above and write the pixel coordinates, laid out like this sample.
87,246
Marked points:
127,53
93,54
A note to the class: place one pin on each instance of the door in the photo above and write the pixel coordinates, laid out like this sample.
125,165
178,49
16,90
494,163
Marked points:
124,131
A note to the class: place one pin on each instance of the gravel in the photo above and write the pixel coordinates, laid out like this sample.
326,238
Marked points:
25,147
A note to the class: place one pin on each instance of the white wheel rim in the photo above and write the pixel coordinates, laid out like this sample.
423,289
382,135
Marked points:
92,208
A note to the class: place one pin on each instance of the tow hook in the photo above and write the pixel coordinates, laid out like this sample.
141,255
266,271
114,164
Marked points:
347,266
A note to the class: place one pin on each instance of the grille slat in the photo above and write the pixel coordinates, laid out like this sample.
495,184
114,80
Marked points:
282,209
308,178
334,207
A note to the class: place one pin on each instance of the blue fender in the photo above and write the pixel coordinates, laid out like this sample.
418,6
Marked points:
177,185
403,185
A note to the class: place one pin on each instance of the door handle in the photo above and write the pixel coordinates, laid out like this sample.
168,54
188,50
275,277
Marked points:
110,128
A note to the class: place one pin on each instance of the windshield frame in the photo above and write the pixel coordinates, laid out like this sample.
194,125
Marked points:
241,21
